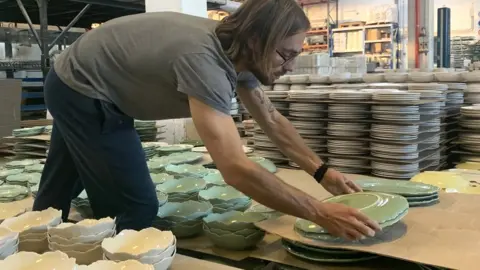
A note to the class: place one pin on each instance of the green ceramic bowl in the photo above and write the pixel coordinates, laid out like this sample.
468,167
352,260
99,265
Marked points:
221,195
181,229
37,168
215,178
182,186
183,157
265,163
187,170
174,148
245,232
223,208
4,173
233,241
233,221
160,178
20,164
156,166
178,212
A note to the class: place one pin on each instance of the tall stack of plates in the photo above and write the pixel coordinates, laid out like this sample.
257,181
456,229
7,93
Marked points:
264,147
469,137
385,209
417,194
277,94
355,130
348,111
394,132
350,95
308,110
393,96
348,147
149,149
147,130
309,128
472,93
308,94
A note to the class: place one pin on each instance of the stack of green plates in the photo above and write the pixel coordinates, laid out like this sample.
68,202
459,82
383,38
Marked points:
27,132
11,193
385,209
160,178
149,149
4,173
325,255
174,148
147,130
24,179
37,168
21,164
417,194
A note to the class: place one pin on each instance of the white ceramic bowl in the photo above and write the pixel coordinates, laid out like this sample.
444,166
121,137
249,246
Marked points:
47,261
85,227
111,265
81,239
36,221
131,244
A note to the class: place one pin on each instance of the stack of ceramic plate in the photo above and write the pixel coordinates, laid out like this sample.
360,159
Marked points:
183,219
182,190
262,140
434,106
396,96
350,95
272,153
29,260
325,255
187,170
82,205
147,130
348,111
265,211
385,209
379,109
396,77
225,199
300,87
27,132
417,194
389,151
215,178
374,77
472,94
347,165
112,265
308,94
299,79
279,87
348,129
32,227
350,86
422,77
160,178
8,244
390,87
394,132
11,193
179,158
308,110
396,116
36,168
343,147
318,78
4,173
149,149
430,94
319,87
455,98
21,164
395,170
340,77
148,246
309,127
277,94
316,144
448,76
24,179
175,148
82,240
280,106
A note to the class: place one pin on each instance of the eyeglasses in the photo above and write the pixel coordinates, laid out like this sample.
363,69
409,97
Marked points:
285,58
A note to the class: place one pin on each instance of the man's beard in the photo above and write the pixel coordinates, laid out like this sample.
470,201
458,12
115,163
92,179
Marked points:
262,76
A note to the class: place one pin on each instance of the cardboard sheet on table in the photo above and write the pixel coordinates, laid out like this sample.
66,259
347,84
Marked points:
446,235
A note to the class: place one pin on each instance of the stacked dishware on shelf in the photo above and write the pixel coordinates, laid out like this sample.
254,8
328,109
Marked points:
184,219
469,137
27,143
83,240
149,246
148,131
386,125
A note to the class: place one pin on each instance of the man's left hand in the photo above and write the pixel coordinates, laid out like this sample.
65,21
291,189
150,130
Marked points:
337,183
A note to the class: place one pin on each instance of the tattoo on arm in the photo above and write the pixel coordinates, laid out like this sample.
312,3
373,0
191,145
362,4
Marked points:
263,99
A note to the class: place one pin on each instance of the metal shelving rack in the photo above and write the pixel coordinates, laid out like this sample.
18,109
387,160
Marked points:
461,49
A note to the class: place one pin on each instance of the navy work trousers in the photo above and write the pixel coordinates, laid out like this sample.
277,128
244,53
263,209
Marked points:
95,146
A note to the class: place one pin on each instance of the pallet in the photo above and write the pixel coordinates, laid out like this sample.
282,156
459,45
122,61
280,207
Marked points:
351,24
379,23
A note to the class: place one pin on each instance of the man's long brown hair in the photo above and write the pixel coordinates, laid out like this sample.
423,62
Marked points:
267,22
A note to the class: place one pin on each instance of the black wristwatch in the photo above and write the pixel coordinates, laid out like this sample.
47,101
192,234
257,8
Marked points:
320,173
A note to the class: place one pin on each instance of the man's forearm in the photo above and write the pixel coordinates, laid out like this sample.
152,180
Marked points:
267,189
286,137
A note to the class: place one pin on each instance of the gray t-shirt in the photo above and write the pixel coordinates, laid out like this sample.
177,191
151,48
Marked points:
148,64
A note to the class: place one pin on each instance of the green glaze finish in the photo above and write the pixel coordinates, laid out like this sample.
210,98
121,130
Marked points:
160,178
422,198
219,194
187,170
215,178
38,168
404,188
185,211
175,148
233,221
12,191
265,163
333,251
183,185
326,258
424,203
379,207
4,173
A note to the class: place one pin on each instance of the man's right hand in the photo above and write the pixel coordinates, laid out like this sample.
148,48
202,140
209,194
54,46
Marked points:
345,222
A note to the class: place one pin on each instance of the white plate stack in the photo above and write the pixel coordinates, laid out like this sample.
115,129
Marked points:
264,147
348,147
348,111
277,94
421,77
472,93
308,110
355,130
82,240
8,242
310,94
347,165
394,132
148,246
32,228
469,136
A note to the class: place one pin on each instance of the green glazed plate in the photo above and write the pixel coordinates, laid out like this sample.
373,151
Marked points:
161,178
334,251
424,203
422,198
404,188
326,258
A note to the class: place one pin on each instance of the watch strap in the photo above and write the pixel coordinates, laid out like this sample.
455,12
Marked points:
320,173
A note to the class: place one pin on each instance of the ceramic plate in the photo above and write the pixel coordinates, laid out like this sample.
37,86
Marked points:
333,251
404,188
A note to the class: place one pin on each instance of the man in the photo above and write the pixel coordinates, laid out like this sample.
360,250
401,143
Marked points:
169,65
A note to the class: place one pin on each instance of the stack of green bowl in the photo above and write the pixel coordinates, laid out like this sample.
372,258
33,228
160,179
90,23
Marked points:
27,132
225,199
147,130
149,149
183,219
267,212
183,189
160,178
156,166
417,194
21,164
234,230
24,179
4,173
187,170
265,163
36,168
11,193
385,209
214,178
174,148
82,205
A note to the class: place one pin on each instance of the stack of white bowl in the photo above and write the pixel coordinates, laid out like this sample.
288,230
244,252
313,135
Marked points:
111,265
234,230
8,243
148,246
225,199
11,209
83,240
472,93
183,219
182,190
49,260
32,228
